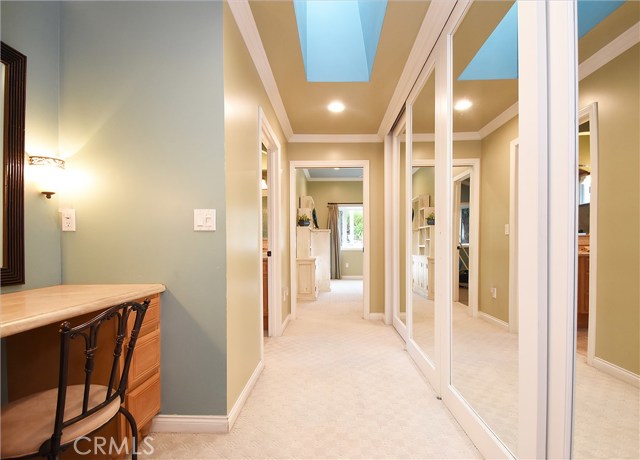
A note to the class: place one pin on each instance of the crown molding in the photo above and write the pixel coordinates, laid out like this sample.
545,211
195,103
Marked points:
498,121
335,139
609,52
243,16
430,137
433,23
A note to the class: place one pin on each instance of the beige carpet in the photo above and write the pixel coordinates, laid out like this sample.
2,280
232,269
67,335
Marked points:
334,386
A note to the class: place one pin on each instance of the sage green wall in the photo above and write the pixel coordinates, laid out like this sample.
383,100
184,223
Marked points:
338,192
494,214
244,95
424,182
375,154
615,87
141,117
33,28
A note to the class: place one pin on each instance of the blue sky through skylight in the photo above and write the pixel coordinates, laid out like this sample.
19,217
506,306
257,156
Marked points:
339,38
497,59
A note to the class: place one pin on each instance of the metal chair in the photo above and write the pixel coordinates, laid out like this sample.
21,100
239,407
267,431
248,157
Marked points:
46,423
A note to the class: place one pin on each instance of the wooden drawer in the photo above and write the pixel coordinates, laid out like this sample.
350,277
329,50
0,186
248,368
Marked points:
144,401
146,358
151,318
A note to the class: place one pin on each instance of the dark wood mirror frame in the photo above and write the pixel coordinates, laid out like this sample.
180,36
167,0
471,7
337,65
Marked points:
13,166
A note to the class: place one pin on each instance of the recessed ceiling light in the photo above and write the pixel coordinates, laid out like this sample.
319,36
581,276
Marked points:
463,104
336,107
336,169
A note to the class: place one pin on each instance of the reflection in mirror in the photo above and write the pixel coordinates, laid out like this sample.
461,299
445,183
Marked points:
607,359
401,314
484,355
14,67
422,249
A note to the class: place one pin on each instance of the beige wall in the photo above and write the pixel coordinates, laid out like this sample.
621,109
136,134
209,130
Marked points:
494,214
375,154
244,94
301,185
324,192
615,88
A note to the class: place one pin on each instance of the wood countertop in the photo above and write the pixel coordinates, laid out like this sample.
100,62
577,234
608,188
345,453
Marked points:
25,310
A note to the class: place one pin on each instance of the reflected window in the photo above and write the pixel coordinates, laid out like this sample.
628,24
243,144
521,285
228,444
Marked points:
351,220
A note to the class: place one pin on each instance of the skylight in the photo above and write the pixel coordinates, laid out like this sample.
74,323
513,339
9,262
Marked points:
339,38
497,59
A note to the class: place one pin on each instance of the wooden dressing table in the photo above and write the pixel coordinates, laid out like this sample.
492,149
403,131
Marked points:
29,323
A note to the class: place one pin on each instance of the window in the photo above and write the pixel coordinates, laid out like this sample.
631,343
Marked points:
351,220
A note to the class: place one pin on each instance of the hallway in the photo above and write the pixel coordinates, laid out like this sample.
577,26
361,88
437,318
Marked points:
333,386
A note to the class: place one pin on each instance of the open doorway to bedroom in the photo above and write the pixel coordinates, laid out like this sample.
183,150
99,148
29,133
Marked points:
329,237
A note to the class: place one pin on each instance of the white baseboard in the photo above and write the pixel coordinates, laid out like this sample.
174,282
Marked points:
246,391
617,371
493,320
285,323
376,316
190,424
354,277
206,423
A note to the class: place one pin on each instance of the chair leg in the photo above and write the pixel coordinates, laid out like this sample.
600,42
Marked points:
134,432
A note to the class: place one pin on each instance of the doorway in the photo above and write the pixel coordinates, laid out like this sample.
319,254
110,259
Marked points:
310,197
269,154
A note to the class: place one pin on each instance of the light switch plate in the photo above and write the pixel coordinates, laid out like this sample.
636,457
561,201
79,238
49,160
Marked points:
204,220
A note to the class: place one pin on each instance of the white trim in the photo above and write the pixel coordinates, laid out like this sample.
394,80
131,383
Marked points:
513,235
423,361
336,139
498,121
590,113
269,138
609,52
206,423
190,424
617,372
434,21
376,317
389,209
533,254
246,391
462,136
355,277
395,172
334,179
300,164
493,320
241,12
285,323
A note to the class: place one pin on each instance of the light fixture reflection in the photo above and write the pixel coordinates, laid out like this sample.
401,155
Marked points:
336,107
463,104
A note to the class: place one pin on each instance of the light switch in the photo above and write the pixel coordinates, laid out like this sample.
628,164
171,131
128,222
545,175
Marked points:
204,220
68,219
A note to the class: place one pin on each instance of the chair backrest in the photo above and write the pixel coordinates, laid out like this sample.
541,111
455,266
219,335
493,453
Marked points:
118,376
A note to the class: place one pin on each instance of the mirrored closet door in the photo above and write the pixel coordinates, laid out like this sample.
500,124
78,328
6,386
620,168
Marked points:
484,340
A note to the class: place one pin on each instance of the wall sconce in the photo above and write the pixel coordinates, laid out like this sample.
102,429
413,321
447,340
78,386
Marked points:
47,173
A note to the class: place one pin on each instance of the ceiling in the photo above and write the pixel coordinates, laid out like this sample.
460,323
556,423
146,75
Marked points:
306,103
333,174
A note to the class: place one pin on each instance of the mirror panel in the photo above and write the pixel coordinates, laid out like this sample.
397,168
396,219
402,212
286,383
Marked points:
15,65
422,249
607,356
484,341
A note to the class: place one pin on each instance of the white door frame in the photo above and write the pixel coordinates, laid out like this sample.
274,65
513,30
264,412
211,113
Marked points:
401,126
274,193
293,209
457,196
590,114
513,235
